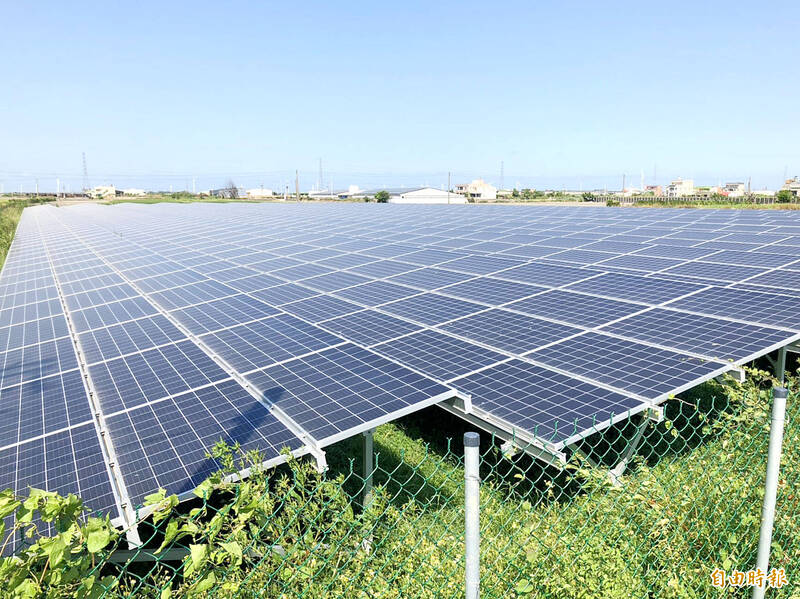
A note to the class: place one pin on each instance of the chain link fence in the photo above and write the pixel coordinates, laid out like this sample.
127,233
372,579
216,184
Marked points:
646,508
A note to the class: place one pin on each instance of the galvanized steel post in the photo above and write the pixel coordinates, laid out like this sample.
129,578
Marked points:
771,485
472,514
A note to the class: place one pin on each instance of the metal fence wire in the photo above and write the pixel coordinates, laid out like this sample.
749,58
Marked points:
645,508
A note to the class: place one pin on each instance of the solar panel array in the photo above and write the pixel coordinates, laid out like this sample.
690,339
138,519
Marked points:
133,337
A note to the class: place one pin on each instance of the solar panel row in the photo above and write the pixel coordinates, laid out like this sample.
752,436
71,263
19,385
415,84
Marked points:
299,325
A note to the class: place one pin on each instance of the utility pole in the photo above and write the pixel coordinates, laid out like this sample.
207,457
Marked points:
37,188
296,186
58,187
319,181
85,173
502,175
623,183
194,187
448,187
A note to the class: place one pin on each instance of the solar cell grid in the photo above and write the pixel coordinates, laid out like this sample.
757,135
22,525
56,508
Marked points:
264,251
267,341
343,389
635,288
151,375
509,331
711,337
431,309
375,293
641,369
368,327
492,291
438,355
547,404
546,274
575,308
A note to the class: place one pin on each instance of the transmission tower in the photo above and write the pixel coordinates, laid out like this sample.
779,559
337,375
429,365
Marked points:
85,173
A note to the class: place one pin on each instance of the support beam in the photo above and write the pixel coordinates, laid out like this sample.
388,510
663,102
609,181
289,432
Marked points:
780,365
619,468
367,439
629,452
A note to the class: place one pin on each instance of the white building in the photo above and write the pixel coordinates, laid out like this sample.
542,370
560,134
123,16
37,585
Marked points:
679,187
477,189
259,194
425,195
792,185
102,191
133,192
734,190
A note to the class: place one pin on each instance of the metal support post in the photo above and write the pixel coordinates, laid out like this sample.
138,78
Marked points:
771,485
369,453
630,450
780,365
472,531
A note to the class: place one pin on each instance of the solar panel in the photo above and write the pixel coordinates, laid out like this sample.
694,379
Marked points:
297,325
344,389
555,406
509,331
647,371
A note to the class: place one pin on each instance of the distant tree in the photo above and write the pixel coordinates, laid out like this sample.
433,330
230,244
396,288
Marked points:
231,191
382,196
587,196
514,193
784,195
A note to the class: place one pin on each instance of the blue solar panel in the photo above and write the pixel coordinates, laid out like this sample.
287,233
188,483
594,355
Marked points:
550,405
509,331
491,291
711,337
441,356
368,327
320,307
430,278
264,342
344,389
375,293
647,371
575,308
431,309
546,274
764,308
152,375
271,289
223,313
635,288
166,444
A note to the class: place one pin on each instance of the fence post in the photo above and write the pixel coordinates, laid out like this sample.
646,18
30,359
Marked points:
472,531
771,485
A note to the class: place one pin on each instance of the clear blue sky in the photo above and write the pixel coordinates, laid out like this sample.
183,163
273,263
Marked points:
565,93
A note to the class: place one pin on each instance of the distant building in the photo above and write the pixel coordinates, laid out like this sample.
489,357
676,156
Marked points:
103,191
734,190
679,188
792,185
259,194
228,193
424,195
656,190
133,192
477,189
505,193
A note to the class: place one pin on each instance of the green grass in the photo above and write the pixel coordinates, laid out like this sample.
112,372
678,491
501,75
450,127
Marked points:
690,503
